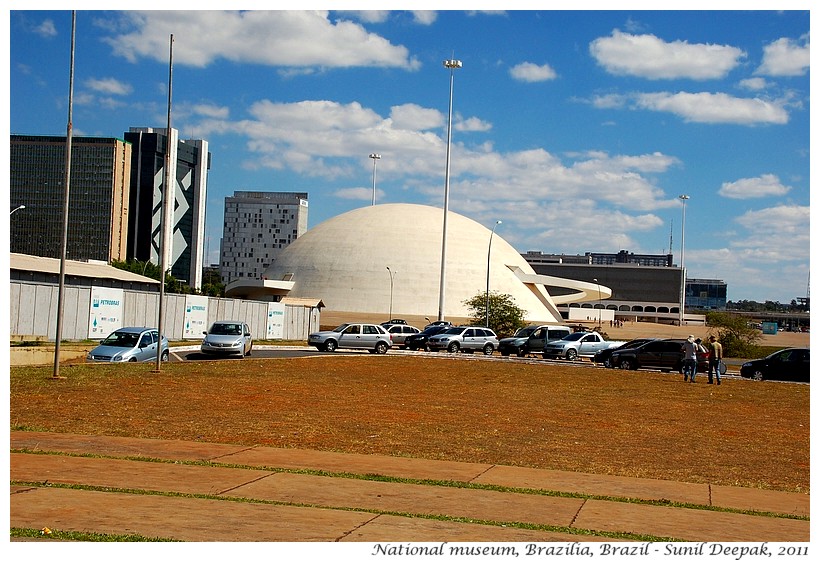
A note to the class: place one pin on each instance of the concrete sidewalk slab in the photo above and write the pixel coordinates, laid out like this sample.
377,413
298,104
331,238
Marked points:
689,524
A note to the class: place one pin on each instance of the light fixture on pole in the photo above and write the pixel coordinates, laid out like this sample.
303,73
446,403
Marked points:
392,274
452,65
487,292
375,157
599,302
683,199
17,208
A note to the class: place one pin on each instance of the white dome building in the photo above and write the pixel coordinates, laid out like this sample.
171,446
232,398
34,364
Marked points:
344,262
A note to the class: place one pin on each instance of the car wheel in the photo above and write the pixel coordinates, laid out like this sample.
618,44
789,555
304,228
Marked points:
608,363
132,360
165,356
628,365
521,352
757,375
381,348
330,345
249,350
488,350
453,347
572,355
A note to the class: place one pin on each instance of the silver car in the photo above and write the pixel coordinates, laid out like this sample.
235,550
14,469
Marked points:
130,345
400,332
371,337
228,337
465,338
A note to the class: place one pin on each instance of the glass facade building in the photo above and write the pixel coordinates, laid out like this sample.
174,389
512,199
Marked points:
98,210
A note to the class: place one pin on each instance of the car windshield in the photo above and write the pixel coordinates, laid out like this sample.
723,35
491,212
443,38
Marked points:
430,330
453,330
121,339
226,330
576,336
340,328
525,332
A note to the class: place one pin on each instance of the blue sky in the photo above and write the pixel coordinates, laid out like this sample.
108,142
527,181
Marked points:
577,129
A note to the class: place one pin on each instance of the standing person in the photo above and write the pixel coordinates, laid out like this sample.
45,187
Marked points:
690,359
715,357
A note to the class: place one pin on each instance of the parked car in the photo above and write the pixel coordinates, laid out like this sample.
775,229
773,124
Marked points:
371,337
439,323
129,345
419,341
578,344
400,332
666,355
393,321
228,337
604,356
465,338
531,339
790,364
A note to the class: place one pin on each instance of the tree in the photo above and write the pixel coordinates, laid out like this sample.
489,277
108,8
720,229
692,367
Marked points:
150,269
505,316
734,333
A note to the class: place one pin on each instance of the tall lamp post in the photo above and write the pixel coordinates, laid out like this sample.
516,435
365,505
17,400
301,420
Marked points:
17,208
452,65
487,292
392,275
599,303
375,157
683,199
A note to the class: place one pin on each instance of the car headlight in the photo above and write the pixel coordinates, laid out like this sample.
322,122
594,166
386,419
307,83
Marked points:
746,365
117,357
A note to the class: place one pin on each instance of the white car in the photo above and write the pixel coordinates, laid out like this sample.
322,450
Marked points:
371,337
228,337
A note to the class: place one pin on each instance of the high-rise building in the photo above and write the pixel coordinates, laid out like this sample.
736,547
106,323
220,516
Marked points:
189,162
258,225
98,210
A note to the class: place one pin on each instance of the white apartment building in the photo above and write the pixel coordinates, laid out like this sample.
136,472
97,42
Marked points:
258,225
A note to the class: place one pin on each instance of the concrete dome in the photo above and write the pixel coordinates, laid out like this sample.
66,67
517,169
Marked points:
344,262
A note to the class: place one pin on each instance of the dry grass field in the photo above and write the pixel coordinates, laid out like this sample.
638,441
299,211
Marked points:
539,414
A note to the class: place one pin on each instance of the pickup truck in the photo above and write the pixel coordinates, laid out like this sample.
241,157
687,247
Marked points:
579,344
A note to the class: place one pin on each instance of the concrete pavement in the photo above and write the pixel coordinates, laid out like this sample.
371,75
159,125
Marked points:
193,491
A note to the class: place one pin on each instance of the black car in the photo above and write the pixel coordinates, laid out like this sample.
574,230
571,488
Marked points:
666,355
419,341
605,355
790,364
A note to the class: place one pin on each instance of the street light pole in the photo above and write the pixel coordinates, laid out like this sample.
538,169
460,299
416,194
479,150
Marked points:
375,157
487,292
599,303
452,65
392,274
683,199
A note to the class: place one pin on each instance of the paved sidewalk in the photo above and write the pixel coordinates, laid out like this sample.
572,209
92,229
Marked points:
300,495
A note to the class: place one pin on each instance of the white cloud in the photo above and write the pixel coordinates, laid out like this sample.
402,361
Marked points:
785,57
273,38
46,29
650,57
747,188
531,72
424,17
110,86
358,193
777,234
705,107
413,117
754,84
472,124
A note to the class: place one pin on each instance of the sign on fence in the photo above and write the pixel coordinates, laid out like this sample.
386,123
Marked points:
105,313
196,317
276,321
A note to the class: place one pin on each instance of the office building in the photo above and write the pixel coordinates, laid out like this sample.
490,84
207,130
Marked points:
98,210
258,225
189,162
705,294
